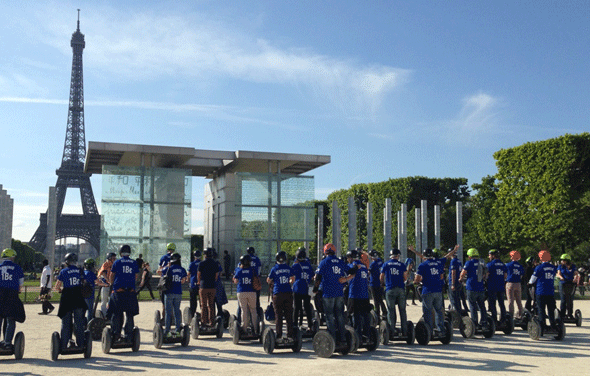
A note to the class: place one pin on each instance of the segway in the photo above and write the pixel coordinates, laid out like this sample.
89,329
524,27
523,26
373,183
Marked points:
97,324
523,321
369,342
425,334
238,334
197,327
183,337
57,350
325,346
575,319
270,341
505,324
469,329
388,335
307,333
538,329
17,349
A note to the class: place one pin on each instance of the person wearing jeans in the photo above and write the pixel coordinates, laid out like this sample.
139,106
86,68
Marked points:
207,274
473,273
393,276
429,275
71,305
11,307
173,296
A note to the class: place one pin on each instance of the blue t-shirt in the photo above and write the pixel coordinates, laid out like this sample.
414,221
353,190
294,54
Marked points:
473,283
10,275
256,263
331,269
303,272
458,268
567,274
90,278
515,272
165,260
70,277
545,274
280,274
393,273
245,277
496,270
431,276
125,270
375,269
193,268
358,287
177,273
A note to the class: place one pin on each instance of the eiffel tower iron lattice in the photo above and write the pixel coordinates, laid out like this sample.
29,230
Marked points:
71,173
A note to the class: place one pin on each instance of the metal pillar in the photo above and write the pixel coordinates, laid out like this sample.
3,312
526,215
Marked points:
351,223
437,226
404,233
320,237
336,231
369,226
387,225
459,208
418,232
424,220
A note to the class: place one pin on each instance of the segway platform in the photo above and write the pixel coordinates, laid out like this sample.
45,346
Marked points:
17,348
238,334
536,329
56,349
325,346
198,329
388,335
505,324
270,342
523,321
469,329
158,334
575,319
425,334
122,343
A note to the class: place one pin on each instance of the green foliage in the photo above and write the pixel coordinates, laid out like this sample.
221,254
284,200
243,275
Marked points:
26,256
410,190
197,242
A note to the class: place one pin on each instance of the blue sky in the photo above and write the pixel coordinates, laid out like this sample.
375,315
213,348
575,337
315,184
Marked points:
386,88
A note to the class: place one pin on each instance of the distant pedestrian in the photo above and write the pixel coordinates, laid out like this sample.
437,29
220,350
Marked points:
45,293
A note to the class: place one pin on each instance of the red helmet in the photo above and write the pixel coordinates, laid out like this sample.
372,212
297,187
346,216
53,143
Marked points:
329,249
545,256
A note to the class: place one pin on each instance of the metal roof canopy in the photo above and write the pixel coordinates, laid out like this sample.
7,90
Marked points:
206,163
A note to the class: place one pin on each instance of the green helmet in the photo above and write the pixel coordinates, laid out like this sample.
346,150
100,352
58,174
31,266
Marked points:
435,252
473,252
493,252
171,247
8,253
89,263
566,257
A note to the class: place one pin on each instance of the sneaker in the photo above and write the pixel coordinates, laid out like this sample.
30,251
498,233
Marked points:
168,335
50,310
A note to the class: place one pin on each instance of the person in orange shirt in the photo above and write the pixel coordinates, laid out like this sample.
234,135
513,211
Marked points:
104,275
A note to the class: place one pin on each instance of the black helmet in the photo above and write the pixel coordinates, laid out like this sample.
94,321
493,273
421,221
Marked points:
250,251
110,255
354,254
373,253
209,252
125,250
175,258
245,260
281,257
301,254
71,258
197,253
428,253
394,252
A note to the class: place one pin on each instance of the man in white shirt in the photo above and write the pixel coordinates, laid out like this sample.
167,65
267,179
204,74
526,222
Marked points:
46,284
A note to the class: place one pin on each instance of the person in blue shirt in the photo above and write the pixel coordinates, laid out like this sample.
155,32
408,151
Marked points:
123,298
173,296
256,264
393,276
474,273
280,277
358,295
91,280
165,261
11,307
376,288
514,284
193,268
497,274
429,274
568,278
243,277
303,273
411,268
455,286
331,275
543,278
71,303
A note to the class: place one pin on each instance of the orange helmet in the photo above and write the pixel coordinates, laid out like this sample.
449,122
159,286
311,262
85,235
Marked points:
545,256
329,249
514,255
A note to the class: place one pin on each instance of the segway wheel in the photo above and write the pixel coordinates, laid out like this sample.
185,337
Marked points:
196,327
524,321
422,333
157,317
298,340
226,318
315,326
411,333
455,319
448,337
491,328
509,324
384,332
158,334
186,335
230,328
534,329
96,326
467,328
374,320
560,329
578,316
55,346
88,344
106,340
268,340
261,327
19,346
236,333
323,344
219,332
186,315
373,339
136,339
355,341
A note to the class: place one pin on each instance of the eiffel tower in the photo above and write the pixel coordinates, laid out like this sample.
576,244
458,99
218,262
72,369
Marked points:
71,174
